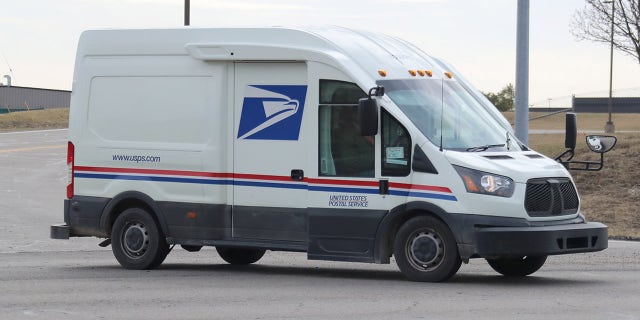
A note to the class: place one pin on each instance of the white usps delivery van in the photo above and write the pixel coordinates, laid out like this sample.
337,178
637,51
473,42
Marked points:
346,145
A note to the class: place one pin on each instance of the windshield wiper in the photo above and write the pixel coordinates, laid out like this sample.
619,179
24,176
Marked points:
485,147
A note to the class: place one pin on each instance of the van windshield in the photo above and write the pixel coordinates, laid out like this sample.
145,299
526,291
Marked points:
446,113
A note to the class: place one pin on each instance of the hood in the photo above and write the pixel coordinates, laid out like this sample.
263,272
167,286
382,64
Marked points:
519,166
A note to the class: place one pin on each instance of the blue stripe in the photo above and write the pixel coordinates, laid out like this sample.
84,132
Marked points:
270,185
265,185
342,189
151,178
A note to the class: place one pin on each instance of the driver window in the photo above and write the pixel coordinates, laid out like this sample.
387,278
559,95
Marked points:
342,150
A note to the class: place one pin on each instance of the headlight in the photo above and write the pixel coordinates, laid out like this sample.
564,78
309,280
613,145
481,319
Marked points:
486,183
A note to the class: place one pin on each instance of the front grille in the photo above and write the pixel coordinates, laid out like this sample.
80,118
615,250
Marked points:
551,197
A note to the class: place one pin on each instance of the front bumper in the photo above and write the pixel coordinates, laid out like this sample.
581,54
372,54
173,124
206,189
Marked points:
540,240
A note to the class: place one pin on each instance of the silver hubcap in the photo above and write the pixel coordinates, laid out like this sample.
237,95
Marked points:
425,250
135,240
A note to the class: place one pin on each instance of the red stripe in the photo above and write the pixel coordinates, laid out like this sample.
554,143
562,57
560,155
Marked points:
418,187
262,177
184,173
155,171
343,182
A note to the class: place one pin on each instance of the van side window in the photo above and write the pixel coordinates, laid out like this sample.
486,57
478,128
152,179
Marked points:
396,147
342,150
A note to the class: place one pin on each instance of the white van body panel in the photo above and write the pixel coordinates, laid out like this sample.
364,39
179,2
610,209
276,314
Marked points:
230,137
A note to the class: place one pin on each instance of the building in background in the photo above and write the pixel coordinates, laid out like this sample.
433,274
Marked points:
13,98
600,105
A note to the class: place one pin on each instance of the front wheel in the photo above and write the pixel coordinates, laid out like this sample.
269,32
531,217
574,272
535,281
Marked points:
425,250
240,256
517,267
137,242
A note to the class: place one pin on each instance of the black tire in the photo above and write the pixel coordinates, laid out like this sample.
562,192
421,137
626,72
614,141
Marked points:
240,256
517,267
425,250
137,241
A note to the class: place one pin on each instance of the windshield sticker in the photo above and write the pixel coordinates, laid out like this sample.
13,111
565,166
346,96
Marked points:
395,155
395,152
272,112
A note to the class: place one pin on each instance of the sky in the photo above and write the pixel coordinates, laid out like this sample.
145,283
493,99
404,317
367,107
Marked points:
38,38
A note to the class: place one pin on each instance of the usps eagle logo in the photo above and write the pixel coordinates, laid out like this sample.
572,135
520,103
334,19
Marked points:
272,112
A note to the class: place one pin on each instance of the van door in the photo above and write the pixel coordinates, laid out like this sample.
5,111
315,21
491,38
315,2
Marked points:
270,196
357,176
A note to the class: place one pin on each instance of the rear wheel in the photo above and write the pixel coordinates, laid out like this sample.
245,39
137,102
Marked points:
425,250
240,256
137,241
517,267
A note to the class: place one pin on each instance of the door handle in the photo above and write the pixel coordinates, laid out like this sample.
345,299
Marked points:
297,174
383,187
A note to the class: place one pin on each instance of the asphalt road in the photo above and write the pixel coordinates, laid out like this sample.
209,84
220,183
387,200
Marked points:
41,278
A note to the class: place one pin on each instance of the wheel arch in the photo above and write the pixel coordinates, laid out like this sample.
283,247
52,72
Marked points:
397,216
131,199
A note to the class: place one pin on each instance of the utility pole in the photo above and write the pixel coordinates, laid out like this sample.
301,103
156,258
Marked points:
522,72
187,12
609,127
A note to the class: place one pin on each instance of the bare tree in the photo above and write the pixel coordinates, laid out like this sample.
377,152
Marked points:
593,23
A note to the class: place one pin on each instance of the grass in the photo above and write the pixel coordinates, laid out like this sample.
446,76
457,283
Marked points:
33,120
611,196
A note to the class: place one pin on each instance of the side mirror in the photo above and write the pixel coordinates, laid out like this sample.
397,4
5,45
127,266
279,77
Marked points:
368,112
596,143
601,144
571,131
368,116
